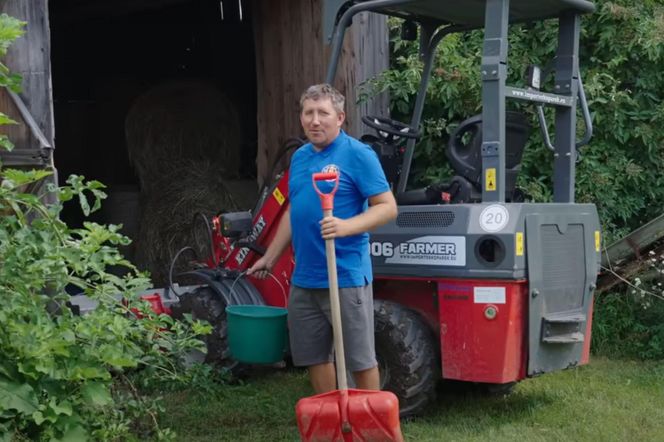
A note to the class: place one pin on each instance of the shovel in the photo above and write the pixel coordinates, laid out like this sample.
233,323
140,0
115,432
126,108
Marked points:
344,414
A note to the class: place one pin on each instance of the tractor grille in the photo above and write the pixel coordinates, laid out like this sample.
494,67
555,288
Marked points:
563,262
425,219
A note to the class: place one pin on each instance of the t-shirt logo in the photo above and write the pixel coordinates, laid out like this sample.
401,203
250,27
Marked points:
331,168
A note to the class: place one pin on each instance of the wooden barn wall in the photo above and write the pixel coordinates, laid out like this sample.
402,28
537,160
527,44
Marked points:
29,56
291,55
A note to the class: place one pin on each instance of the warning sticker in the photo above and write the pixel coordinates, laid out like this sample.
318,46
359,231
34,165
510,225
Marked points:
490,179
489,295
518,246
278,196
597,241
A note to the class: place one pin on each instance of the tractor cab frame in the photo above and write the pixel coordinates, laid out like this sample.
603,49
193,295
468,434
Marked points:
507,286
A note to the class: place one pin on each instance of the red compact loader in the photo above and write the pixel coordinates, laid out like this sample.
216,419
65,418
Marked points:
471,283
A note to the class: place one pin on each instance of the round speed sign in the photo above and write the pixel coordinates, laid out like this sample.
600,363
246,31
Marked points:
494,218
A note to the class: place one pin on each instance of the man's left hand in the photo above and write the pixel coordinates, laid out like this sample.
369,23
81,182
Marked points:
332,227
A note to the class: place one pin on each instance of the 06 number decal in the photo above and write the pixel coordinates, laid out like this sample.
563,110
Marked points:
384,249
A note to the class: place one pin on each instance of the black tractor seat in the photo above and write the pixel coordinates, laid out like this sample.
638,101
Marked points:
464,152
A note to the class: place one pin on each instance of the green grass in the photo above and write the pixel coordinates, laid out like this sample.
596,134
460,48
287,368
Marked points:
607,400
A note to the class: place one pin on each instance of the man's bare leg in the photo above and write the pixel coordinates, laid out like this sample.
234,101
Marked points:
367,379
323,377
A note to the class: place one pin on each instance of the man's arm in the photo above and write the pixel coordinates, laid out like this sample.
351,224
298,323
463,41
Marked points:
281,240
382,208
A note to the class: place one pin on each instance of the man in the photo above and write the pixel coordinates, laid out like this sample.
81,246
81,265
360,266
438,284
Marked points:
363,201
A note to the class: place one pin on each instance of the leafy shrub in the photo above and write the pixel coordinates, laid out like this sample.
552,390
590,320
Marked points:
628,322
63,375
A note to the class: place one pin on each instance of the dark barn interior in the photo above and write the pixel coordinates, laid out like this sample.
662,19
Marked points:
157,100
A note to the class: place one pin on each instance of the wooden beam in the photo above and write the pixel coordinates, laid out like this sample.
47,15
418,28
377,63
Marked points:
633,244
630,255
616,275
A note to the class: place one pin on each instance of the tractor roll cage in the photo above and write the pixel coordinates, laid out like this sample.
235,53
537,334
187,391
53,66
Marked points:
439,18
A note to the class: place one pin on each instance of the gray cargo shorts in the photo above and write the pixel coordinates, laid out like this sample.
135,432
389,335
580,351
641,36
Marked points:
310,327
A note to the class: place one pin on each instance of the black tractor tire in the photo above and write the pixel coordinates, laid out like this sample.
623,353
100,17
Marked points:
205,305
407,356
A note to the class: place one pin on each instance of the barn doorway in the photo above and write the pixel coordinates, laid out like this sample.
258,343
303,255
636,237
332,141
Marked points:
157,100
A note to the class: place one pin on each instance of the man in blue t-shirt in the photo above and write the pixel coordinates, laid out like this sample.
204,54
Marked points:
363,201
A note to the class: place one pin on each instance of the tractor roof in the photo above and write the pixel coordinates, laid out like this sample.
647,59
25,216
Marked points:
470,13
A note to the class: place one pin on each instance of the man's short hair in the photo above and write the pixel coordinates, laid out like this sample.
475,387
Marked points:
324,90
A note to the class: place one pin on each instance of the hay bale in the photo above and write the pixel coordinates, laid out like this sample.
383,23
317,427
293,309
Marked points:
184,141
166,223
183,120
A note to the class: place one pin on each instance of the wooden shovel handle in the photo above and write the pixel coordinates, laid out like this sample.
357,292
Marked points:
335,307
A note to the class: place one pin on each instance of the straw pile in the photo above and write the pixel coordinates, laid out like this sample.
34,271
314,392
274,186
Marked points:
184,142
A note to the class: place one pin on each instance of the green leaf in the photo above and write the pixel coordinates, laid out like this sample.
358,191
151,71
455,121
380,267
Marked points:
5,143
22,177
90,373
68,336
83,201
63,407
19,397
75,433
38,417
72,430
4,119
96,393
8,369
5,436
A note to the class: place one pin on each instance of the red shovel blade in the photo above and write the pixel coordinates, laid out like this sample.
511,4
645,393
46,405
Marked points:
372,415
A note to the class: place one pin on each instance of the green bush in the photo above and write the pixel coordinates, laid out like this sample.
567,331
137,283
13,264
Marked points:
628,321
623,327
65,376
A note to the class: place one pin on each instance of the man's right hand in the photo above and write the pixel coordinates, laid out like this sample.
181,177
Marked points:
260,269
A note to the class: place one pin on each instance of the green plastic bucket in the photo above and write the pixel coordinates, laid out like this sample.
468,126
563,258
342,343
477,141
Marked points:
256,333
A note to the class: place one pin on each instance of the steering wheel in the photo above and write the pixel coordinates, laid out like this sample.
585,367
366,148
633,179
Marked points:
386,126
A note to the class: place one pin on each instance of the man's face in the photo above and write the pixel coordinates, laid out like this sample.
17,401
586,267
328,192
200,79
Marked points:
321,123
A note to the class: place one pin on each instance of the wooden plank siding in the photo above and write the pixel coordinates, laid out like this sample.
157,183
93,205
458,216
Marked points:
32,108
291,55
29,56
19,134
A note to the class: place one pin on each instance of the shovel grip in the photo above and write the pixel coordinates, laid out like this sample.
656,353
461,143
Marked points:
326,199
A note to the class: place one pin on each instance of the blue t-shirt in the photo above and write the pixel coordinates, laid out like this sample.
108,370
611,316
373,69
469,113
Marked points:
360,177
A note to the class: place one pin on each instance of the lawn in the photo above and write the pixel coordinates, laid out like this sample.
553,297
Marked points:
607,400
